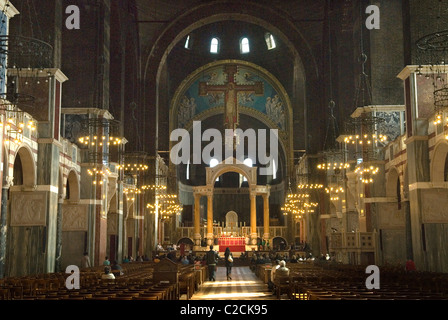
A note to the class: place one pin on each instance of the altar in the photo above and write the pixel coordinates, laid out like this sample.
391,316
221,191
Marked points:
235,244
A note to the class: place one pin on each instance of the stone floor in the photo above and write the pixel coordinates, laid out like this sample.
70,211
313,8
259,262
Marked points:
243,286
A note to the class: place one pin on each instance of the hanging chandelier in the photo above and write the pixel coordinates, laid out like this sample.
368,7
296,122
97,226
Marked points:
432,57
366,173
167,206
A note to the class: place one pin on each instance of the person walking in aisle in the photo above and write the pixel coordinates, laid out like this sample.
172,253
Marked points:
228,256
212,261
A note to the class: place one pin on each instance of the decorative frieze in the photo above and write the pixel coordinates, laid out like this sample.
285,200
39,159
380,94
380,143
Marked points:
28,208
74,217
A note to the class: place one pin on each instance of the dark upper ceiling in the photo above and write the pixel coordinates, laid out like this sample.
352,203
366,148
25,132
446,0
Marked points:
182,62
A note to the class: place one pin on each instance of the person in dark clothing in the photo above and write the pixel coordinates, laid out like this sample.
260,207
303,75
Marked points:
228,262
212,261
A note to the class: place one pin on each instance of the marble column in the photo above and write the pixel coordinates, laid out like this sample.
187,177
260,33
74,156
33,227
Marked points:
253,219
209,219
266,234
58,257
3,227
197,218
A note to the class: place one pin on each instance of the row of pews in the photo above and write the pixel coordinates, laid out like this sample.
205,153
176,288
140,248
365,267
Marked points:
165,280
309,281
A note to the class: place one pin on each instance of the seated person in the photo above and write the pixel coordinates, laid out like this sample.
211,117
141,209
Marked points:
276,265
282,271
185,261
106,261
117,269
107,274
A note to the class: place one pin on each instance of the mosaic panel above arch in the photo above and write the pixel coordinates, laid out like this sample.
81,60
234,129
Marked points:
272,103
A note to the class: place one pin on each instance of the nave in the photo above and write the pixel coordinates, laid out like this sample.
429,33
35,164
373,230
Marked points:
245,285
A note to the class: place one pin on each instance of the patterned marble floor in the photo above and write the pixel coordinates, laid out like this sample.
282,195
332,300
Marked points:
243,286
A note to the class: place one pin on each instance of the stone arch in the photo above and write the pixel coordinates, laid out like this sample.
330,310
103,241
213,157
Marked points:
234,166
391,183
26,167
438,163
185,240
277,241
285,135
72,187
231,216
113,205
259,14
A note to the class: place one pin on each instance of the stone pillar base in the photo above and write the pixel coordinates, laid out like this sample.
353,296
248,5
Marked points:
209,239
197,239
253,239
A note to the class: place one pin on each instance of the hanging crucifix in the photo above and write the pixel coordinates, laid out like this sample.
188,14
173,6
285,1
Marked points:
231,90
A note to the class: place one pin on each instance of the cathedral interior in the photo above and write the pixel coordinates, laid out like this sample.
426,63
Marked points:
316,126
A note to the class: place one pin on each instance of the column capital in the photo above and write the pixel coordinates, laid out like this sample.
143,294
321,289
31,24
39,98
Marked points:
9,182
197,196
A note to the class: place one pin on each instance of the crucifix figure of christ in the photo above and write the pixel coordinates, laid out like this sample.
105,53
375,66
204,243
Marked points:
231,90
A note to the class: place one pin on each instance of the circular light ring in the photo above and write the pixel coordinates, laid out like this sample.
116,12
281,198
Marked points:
437,41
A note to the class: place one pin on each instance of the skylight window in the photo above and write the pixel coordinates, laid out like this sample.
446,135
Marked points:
270,42
244,45
188,43
214,45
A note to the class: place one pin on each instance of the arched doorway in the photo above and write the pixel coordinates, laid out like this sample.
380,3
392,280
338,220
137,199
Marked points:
279,243
27,225
74,223
212,173
185,245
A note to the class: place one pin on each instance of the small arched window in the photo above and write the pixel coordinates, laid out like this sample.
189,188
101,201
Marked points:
244,45
188,43
187,174
270,42
214,45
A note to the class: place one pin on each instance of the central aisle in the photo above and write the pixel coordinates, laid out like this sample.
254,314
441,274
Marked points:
243,286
